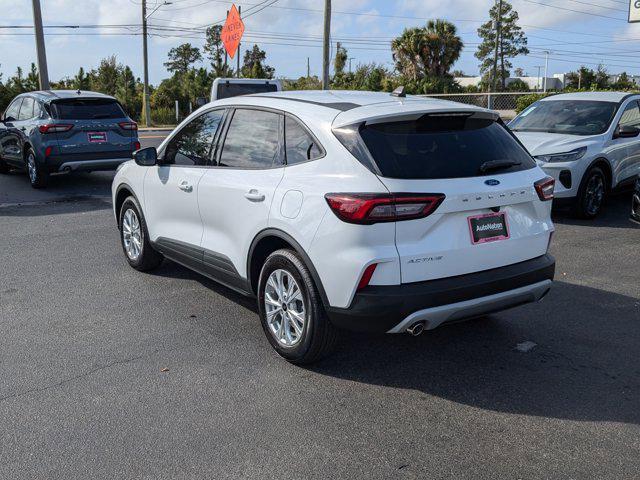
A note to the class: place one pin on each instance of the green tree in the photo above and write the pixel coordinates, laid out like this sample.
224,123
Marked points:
81,81
583,78
254,65
602,79
32,82
182,57
341,59
127,92
624,82
214,50
511,43
106,77
407,49
428,51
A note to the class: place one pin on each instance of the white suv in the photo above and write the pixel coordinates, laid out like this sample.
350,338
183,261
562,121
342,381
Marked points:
587,141
367,211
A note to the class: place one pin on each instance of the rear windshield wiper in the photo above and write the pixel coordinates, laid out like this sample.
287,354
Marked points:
497,165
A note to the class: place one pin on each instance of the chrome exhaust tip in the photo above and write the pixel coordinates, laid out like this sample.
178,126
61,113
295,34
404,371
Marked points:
416,329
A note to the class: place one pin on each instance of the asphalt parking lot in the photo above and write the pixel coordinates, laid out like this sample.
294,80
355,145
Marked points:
110,373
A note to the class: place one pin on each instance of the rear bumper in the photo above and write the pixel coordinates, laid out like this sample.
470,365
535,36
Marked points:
394,308
90,165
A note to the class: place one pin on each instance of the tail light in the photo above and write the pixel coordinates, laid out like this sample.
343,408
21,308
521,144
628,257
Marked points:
47,152
366,276
136,146
370,208
128,125
55,128
545,188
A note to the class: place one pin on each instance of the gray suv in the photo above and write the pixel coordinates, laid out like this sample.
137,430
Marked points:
58,131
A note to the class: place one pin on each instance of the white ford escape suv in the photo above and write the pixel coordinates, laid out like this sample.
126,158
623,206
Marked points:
367,211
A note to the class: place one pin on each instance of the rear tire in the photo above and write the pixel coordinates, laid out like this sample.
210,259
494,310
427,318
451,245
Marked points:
134,238
38,176
291,310
591,194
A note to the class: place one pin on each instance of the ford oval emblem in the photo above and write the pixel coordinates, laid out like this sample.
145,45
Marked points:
492,182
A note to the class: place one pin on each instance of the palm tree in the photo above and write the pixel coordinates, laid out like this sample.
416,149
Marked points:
406,52
443,48
429,51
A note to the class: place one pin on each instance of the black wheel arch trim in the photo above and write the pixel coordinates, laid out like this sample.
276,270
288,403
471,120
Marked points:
599,161
275,232
124,186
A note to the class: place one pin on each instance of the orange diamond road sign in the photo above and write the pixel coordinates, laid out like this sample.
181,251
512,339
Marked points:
232,31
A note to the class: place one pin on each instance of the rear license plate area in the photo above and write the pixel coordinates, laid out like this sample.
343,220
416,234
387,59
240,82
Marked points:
97,137
490,227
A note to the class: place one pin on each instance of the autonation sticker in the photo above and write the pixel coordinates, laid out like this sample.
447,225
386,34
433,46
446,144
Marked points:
634,11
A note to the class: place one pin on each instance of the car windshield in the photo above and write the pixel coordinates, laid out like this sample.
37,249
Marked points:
572,117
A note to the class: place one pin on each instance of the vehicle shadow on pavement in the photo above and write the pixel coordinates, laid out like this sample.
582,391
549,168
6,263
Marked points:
578,367
15,188
615,213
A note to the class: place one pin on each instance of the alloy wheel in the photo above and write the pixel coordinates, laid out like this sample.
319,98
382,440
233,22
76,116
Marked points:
594,194
131,234
31,165
285,309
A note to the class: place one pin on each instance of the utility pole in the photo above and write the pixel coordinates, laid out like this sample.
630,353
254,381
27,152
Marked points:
498,27
145,59
538,80
308,68
350,58
546,70
40,50
325,46
239,45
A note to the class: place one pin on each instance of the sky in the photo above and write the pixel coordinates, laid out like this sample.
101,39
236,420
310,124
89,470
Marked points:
575,32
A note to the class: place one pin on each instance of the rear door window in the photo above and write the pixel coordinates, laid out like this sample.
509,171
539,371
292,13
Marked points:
444,146
87,109
253,140
26,110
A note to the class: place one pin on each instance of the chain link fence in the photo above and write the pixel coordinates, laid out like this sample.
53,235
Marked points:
503,102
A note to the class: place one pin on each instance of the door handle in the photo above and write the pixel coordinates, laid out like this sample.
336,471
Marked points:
185,187
254,196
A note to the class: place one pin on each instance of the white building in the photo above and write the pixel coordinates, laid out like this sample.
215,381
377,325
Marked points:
557,82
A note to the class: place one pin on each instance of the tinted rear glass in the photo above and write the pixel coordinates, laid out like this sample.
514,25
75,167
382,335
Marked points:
234,89
443,147
87,109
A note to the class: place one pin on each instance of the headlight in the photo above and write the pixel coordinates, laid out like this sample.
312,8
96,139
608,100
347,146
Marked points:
576,154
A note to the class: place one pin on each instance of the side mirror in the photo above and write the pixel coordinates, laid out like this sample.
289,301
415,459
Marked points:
146,157
626,131
8,119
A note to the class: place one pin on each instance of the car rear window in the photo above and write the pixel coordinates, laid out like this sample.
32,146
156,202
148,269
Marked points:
87,109
444,146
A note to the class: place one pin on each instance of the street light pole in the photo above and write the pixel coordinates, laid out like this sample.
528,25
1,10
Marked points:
546,70
40,50
325,46
145,90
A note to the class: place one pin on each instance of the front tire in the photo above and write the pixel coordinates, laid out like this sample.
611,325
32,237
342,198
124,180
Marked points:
291,311
134,237
38,176
591,194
